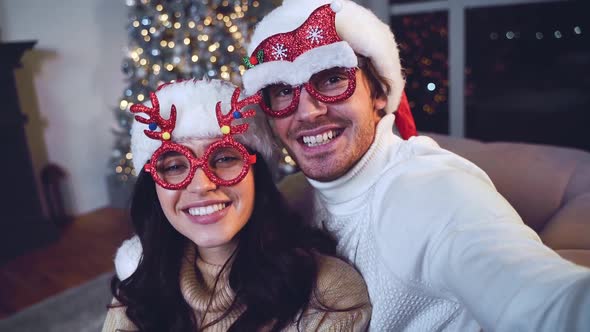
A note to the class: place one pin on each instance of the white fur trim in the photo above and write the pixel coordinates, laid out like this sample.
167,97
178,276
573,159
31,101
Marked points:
127,257
372,38
195,102
358,26
299,71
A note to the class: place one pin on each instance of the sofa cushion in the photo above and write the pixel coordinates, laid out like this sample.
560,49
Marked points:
549,186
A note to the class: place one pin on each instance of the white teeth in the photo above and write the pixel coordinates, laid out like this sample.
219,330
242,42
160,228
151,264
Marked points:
319,139
205,210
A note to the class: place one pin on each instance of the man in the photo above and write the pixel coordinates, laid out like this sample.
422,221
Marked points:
439,248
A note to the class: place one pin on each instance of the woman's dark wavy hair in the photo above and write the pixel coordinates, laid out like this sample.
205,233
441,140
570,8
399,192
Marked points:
273,272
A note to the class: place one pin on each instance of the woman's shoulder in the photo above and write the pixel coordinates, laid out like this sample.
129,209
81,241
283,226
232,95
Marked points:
339,284
331,264
116,319
340,301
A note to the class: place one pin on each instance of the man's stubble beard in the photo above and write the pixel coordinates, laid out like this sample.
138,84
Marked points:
319,170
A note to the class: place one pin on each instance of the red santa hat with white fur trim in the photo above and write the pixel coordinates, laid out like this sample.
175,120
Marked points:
303,37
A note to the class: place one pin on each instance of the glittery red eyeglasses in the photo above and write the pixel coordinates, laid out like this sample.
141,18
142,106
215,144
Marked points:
328,86
225,162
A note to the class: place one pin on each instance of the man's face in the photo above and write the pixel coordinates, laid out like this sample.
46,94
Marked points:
327,140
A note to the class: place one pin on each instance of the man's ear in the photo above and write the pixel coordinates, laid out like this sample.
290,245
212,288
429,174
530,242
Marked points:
379,103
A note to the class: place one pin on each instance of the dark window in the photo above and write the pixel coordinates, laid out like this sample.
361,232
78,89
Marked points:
423,44
529,73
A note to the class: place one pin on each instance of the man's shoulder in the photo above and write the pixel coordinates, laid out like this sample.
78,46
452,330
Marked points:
421,165
432,191
423,153
432,187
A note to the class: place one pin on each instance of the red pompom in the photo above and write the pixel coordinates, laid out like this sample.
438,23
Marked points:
404,120
253,60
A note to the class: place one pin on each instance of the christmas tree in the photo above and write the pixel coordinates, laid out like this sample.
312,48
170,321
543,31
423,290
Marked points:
177,39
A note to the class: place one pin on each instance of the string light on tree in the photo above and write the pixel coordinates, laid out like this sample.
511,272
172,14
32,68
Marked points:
171,40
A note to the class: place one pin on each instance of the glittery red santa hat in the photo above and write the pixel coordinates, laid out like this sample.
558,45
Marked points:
195,104
303,37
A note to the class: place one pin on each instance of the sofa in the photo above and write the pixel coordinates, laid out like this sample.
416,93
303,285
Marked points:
548,186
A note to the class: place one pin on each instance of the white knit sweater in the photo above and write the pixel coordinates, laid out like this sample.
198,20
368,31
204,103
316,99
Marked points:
440,249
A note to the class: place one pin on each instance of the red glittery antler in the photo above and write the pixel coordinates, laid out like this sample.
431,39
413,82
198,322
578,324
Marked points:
235,113
155,120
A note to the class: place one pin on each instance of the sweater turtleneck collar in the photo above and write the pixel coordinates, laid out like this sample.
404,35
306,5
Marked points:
365,173
197,284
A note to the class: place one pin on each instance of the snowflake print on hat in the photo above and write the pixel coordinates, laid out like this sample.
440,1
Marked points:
314,34
318,30
279,51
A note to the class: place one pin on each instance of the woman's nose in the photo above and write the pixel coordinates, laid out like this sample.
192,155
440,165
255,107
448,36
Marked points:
201,182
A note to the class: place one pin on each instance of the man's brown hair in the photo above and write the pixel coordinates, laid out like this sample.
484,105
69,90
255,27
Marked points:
379,85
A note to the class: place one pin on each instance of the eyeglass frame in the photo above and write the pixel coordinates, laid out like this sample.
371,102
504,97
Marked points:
287,111
196,162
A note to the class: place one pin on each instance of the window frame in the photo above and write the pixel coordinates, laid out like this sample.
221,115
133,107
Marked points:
456,18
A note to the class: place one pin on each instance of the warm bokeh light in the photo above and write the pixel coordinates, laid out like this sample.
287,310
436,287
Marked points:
179,40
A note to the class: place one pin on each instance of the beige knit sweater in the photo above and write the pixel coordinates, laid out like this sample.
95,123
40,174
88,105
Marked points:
338,286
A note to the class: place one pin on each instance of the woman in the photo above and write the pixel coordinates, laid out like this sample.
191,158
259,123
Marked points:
207,214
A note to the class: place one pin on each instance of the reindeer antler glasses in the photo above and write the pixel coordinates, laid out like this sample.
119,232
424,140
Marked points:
225,161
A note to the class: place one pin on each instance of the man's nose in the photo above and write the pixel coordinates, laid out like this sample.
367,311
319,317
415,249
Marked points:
309,108
201,182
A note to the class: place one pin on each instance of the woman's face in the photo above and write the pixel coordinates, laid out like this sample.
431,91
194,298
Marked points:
208,214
